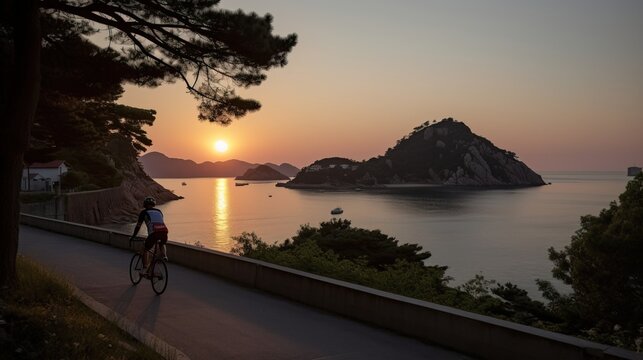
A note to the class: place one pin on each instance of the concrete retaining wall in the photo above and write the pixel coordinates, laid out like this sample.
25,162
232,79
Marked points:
92,207
469,333
86,207
53,209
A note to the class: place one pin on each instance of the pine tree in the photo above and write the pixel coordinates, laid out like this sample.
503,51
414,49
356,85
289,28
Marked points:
211,50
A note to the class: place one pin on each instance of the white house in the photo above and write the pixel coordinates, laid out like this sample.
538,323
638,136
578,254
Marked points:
43,176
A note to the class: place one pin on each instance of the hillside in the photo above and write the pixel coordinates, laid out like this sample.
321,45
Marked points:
121,203
443,153
158,165
262,172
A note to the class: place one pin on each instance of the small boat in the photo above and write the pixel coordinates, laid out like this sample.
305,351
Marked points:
240,184
183,183
336,211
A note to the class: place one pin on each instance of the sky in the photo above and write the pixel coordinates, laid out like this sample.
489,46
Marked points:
560,83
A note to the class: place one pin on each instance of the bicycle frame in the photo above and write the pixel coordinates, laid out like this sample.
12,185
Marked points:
157,269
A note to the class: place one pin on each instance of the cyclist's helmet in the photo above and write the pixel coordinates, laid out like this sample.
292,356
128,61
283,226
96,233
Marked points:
149,201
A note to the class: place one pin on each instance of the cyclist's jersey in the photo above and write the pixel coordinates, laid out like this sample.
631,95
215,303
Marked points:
153,219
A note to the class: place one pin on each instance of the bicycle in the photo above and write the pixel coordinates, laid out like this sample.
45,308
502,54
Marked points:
157,272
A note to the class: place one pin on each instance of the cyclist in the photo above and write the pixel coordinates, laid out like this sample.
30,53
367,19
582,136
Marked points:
156,230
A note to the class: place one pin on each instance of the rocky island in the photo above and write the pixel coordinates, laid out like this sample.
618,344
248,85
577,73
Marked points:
262,172
443,153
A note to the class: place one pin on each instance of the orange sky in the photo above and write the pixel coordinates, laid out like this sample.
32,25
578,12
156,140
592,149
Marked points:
559,83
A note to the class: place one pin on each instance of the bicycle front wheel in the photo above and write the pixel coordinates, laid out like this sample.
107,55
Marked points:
159,276
135,267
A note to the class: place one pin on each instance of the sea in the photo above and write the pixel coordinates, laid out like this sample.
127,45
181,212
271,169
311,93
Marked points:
502,234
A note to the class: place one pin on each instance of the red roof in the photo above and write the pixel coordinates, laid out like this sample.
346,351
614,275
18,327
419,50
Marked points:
48,165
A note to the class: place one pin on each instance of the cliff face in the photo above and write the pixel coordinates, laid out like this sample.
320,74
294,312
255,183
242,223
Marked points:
449,153
443,153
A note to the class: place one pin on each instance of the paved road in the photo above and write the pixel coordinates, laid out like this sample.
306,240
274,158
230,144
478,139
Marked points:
210,318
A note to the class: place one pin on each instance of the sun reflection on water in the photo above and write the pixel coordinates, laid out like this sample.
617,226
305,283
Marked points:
220,220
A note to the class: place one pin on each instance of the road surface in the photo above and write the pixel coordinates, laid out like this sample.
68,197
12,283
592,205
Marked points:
210,318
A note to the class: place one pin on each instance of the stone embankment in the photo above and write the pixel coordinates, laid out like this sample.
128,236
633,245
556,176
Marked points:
115,205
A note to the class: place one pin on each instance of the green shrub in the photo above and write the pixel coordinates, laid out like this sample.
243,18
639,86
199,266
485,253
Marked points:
602,264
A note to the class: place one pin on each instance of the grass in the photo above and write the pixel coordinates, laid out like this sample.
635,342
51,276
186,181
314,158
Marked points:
45,321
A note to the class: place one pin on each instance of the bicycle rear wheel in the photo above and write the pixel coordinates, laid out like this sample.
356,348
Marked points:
159,276
135,267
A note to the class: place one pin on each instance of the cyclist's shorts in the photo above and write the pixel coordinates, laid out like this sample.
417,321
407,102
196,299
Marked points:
153,238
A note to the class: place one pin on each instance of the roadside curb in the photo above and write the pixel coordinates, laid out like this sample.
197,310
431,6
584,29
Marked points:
160,346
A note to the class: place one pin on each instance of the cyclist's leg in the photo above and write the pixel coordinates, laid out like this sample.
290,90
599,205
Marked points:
163,240
149,244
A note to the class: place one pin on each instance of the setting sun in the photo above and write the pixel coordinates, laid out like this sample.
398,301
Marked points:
220,146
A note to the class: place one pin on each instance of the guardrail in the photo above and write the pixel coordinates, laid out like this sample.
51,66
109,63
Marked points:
465,332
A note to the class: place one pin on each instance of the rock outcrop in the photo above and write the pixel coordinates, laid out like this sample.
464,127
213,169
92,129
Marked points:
262,172
443,153
122,203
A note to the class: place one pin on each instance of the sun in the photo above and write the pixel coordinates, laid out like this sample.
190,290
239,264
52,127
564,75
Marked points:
221,146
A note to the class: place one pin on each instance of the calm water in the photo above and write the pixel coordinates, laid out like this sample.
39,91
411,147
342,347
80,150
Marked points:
503,234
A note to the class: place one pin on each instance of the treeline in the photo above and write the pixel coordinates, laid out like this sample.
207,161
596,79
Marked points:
602,265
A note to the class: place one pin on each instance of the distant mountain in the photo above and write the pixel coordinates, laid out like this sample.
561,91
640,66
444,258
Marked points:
443,153
158,165
262,172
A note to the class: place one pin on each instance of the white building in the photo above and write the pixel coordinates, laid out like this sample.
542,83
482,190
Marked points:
43,176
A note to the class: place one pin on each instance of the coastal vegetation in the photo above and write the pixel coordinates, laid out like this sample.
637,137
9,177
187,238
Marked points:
602,266
370,258
45,321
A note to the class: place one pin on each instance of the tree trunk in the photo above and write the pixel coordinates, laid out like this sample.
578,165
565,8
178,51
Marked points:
20,67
